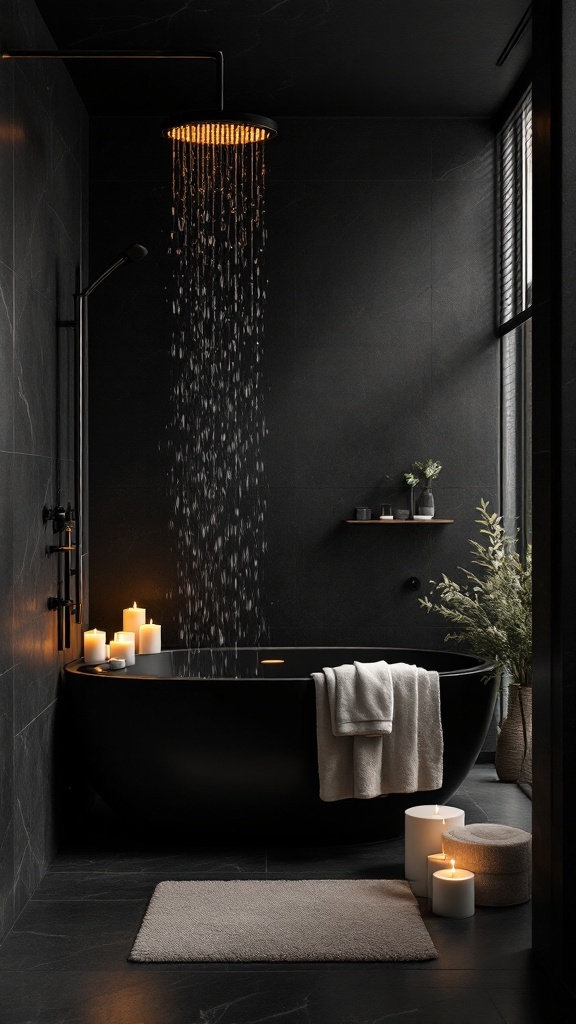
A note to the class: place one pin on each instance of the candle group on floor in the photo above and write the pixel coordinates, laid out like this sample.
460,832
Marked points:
136,637
450,888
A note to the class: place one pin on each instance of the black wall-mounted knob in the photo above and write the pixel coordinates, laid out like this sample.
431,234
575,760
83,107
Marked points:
414,583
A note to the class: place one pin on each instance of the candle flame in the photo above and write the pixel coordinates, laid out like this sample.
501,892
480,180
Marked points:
94,630
134,605
436,811
453,863
151,621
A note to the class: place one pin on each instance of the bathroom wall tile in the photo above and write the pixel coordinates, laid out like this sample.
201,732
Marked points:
35,572
462,149
6,802
35,237
129,149
34,839
8,138
361,263
6,358
351,150
34,371
462,274
6,556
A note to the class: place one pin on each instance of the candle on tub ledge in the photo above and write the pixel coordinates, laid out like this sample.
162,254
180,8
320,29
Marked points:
453,892
424,826
123,646
150,641
94,646
132,619
436,862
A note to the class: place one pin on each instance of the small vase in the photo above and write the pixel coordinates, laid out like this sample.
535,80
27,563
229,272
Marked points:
412,503
514,743
426,501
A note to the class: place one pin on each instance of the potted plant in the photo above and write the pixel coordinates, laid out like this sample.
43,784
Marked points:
429,470
492,611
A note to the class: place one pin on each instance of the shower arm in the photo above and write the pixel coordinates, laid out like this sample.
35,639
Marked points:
215,55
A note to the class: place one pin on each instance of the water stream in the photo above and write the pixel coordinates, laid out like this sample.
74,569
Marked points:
217,426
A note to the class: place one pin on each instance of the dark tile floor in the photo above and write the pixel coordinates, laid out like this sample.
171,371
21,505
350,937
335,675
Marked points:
65,960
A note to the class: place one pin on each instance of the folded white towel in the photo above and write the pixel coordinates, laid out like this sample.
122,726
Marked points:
361,699
408,760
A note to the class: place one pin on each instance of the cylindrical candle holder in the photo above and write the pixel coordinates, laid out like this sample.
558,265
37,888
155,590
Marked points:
453,893
124,646
424,826
436,862
132,619
94,646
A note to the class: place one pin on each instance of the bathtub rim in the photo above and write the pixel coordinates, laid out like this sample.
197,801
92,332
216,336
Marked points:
478,666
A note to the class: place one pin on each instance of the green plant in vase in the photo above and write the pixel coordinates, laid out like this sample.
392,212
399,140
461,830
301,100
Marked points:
492,611
430,470
412,480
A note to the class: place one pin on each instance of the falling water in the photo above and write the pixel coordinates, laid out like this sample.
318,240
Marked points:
217,426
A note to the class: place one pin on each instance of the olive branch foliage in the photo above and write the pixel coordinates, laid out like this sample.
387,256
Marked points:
493,608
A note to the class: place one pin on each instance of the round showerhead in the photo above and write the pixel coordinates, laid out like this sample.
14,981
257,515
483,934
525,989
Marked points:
220,129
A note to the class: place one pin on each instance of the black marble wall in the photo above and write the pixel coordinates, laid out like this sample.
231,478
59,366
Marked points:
42,154
379,350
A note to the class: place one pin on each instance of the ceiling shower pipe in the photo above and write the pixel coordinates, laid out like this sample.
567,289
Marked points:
215,55
213,128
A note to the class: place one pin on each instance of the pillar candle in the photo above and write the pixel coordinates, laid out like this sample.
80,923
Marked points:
423,835
94,646
436,861
453,892
150,638
122,646
129,638
132,619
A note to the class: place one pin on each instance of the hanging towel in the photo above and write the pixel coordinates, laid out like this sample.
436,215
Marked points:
361,699
408,760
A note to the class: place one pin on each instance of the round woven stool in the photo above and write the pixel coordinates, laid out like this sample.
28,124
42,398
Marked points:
500,857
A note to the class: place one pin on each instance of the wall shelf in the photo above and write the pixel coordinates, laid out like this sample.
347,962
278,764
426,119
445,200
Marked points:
399,522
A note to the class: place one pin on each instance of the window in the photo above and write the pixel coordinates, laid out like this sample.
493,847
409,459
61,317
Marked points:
514,326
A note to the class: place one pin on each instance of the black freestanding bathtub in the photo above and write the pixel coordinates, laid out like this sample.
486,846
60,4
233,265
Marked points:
221,744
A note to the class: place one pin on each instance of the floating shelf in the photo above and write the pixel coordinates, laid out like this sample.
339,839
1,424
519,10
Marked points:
399,522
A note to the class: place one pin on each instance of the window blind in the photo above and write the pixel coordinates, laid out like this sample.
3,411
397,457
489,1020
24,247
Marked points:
515,213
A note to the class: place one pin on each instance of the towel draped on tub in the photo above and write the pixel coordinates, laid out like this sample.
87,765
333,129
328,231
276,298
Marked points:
389,741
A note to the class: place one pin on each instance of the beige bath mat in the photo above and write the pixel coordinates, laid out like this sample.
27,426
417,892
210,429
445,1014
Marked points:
312,919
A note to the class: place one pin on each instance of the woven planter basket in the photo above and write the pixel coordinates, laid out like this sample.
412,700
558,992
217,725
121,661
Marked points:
514,744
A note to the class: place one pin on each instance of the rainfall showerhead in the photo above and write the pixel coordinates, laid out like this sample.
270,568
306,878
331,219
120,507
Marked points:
131,254
220,129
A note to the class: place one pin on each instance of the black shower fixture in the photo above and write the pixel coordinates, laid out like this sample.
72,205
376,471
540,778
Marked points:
212,128
132,254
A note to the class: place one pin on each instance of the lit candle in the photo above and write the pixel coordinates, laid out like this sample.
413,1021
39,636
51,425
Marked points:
94,646
123,646
150,638
132,619
436,861
424,826
453,892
